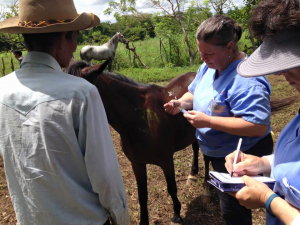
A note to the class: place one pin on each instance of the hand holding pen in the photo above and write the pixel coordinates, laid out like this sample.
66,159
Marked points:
246,164
236,155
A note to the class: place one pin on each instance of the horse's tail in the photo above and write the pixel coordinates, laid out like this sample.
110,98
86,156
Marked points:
276,105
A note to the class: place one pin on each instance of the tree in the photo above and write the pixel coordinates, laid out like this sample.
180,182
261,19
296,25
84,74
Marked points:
220,5
242,16
175,9
12,41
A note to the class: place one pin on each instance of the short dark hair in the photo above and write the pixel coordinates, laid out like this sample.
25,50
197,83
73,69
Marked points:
44,41
18,52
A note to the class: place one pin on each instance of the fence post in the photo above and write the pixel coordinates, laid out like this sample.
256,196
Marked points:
12,64
3,69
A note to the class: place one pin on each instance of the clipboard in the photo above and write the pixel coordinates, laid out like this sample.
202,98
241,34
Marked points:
225,183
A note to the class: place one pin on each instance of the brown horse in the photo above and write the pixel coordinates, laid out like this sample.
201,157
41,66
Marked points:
148,134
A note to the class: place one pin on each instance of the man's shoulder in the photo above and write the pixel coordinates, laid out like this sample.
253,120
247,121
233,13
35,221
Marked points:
70,83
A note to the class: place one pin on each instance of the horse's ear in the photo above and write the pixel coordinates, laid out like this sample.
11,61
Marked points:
92,74
103,66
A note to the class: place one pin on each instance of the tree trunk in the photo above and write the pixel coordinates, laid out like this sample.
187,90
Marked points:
160,43
135,55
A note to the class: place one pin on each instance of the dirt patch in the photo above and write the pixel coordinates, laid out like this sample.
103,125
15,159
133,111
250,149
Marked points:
159,203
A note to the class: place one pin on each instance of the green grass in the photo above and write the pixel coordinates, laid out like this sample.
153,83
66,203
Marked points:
6,57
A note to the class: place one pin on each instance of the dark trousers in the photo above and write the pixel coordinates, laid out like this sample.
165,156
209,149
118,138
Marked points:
233,212
107,222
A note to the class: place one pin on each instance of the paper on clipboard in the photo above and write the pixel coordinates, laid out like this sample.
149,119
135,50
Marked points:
225,183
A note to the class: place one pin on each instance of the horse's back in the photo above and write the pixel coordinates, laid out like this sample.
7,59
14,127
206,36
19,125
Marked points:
96,52
179,85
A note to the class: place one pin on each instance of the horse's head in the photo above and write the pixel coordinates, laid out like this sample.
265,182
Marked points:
122,38
85,70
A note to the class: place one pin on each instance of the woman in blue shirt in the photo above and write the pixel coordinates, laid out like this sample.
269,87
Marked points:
225,106
278,23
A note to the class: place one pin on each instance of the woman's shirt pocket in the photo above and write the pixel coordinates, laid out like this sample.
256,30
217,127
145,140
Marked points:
219,108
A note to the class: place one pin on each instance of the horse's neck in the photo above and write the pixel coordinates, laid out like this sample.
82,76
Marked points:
113,42
123,102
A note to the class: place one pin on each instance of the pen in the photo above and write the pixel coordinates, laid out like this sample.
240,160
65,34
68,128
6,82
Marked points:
236,155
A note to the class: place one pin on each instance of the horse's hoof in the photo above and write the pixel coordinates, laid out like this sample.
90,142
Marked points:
190,179
176,220
172,223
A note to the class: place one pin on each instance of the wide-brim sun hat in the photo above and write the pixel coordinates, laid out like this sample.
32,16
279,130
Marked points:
47,16
278,53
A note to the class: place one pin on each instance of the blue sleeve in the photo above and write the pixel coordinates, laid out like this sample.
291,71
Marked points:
251,101
201,71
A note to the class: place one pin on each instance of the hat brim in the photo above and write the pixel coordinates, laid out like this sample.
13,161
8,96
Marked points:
82,22
272,57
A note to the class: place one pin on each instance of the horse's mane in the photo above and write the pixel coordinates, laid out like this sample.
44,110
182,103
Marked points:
75,69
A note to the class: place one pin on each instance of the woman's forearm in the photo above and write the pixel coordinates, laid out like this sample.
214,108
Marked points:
237,126
187,100
283,210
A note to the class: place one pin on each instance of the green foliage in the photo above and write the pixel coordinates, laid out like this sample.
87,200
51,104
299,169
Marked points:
242,16
7,57
10,41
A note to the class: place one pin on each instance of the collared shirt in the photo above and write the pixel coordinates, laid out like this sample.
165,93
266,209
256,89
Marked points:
229,96
59,159
286,166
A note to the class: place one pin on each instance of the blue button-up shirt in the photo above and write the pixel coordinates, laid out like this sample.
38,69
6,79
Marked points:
286,166
229,96
59,159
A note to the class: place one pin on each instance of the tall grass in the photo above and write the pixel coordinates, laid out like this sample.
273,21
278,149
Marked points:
7,56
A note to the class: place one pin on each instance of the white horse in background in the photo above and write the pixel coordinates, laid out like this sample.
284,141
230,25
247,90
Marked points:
103,52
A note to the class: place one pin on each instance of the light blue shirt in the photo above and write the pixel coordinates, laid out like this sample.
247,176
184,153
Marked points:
229,96
286,166
59,159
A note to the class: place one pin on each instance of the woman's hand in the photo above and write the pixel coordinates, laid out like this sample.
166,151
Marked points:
197,119
247,164
254,195
172,107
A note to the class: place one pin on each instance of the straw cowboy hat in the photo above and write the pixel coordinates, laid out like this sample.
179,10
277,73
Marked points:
47,16
278,53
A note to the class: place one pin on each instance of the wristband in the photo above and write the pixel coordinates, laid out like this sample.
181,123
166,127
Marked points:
268,203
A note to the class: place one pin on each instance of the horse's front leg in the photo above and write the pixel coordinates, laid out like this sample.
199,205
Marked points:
168,169
109,64
140,172
195,165
206,195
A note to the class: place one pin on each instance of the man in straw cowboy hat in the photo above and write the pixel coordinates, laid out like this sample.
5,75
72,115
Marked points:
59,159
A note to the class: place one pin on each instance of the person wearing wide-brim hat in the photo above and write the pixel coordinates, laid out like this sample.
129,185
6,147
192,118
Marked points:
278,23
59,159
